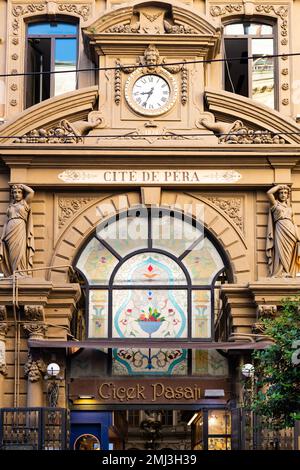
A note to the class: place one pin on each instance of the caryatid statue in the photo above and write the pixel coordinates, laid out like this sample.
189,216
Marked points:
17,241
283,247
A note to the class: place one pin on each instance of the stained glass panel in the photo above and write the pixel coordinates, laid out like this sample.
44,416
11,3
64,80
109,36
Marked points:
98,313
173,234
149,314
209,362
96,262
149,362
201,314
203,262
127,234
150,268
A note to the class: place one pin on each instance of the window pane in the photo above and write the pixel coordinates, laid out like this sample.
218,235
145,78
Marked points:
203,262
65,60
173,234
128,233
209,362
236,71
149,362
263,72
52,28
38,60
96,262
150,268
98,313
149,314
255,29
201,314
219,422
219,443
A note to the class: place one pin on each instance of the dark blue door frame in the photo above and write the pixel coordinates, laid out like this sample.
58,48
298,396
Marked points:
91,422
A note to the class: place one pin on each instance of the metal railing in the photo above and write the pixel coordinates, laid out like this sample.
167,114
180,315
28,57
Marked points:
33,428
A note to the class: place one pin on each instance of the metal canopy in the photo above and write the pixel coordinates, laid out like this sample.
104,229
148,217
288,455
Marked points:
104,343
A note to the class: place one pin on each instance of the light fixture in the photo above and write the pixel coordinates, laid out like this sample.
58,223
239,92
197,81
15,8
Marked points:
248,370
192,419
53,369
86,397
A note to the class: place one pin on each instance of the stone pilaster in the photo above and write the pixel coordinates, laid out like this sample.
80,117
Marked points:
3,366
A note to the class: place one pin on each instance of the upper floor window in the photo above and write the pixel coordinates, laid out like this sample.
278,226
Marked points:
253,78
50,47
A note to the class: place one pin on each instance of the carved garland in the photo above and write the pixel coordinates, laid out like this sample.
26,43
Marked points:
280,11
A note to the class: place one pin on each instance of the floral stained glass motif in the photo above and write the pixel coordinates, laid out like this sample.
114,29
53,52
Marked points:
210,363
173,234
149,313
98,308
201,314
203,262
150,268
149,362
127,234
96,262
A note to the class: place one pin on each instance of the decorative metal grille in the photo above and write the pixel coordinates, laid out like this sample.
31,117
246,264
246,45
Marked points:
33,428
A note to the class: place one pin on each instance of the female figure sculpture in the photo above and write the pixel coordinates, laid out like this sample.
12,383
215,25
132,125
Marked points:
282,238
17,242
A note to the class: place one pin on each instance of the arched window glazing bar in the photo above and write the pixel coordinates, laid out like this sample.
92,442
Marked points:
160,285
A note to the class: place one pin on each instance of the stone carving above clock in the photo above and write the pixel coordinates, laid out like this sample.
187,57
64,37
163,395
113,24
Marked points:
152,19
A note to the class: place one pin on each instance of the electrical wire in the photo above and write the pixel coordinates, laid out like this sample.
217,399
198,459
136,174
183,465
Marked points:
138,136
162,64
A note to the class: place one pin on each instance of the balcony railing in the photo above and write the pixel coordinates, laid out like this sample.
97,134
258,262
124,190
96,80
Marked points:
33,428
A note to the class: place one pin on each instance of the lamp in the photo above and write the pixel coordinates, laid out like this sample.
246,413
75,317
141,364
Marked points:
248,370
53,370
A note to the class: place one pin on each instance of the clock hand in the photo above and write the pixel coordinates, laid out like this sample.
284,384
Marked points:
149,94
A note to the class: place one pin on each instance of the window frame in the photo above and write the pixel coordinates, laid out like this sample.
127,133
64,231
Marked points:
86,287
250,37
52,37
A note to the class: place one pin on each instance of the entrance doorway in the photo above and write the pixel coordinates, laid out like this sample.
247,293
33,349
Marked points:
161,429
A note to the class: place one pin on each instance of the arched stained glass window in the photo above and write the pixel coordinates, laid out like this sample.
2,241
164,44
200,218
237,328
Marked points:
151,274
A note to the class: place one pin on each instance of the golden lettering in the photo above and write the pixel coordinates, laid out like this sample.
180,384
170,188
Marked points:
179,393
169,393
105,397
156,392
188,393
140,392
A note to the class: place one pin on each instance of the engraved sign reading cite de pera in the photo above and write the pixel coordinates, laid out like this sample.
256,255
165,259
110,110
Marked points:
149,176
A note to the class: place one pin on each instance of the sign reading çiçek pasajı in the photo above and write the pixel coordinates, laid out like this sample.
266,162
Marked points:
149,176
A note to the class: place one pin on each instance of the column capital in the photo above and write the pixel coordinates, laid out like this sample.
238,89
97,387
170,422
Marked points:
34,325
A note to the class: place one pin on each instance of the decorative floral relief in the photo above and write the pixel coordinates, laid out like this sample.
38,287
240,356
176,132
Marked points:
68,208
232,207
63,133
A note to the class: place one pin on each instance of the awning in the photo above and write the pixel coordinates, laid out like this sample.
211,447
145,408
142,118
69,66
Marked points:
123,343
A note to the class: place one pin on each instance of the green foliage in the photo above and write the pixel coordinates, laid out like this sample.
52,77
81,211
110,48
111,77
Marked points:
278,377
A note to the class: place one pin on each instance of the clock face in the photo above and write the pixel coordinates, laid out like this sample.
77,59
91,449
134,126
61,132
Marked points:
151,92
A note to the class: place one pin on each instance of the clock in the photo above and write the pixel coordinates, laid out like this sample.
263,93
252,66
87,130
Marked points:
151,94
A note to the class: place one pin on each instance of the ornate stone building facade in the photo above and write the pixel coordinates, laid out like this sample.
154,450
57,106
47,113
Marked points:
118,116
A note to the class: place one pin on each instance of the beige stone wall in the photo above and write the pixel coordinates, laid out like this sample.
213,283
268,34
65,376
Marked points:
15,14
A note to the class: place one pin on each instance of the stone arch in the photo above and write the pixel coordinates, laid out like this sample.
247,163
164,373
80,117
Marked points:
81,227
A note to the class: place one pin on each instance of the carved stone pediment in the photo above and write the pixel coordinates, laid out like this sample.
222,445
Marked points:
152,18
